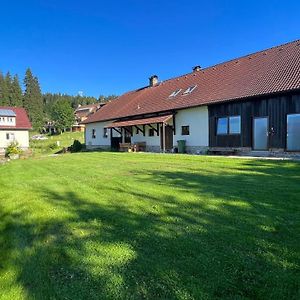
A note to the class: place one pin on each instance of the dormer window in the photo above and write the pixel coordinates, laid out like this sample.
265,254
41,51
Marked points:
175,93
7,117
189,90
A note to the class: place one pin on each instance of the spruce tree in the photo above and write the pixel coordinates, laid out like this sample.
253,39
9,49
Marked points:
15,93
1,88
4,89
32,100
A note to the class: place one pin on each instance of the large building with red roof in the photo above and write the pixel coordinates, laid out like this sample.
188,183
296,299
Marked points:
14,127
251,103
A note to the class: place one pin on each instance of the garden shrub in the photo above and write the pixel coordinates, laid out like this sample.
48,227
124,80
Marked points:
77,146
13,148
52,146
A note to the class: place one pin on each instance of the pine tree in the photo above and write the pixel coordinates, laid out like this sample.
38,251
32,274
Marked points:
4,89
1,88
32,100
15,93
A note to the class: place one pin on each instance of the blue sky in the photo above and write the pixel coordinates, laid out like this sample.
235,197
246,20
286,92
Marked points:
109,47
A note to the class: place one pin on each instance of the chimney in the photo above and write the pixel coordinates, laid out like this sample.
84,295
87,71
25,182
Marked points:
153,80
196,69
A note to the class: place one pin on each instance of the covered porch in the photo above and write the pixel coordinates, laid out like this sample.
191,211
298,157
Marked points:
143,133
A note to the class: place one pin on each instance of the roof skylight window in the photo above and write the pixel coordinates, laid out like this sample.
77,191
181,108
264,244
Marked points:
175,93
189,90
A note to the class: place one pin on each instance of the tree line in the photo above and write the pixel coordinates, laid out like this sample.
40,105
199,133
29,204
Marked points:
42,108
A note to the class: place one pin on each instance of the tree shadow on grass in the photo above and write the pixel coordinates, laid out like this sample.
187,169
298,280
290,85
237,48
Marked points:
232,237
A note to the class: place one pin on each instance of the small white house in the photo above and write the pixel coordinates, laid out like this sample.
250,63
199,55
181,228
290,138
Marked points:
14,127
160,133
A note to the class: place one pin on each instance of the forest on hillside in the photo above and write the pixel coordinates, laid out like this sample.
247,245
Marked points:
41,108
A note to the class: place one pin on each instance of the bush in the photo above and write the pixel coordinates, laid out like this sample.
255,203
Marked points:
13,148
77,146
52,146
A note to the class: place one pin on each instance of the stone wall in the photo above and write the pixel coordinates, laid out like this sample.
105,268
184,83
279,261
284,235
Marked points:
155,149
196,149
100,147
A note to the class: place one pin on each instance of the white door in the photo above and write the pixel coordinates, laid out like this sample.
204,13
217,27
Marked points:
293,132
260,133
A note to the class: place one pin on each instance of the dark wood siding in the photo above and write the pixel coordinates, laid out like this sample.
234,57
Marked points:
275,108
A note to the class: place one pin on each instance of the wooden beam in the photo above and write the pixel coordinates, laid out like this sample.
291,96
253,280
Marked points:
174,125
157,126
144,130
111,137
139,129
155,129
120,132
164,137
123,134
126,129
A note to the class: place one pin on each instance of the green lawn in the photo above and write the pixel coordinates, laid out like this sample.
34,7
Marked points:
44,147
149,226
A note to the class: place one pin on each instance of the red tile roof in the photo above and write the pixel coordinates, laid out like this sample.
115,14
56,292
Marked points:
22,120
144,121
266,72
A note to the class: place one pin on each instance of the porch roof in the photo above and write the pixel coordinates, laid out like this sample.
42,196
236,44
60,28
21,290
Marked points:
145,121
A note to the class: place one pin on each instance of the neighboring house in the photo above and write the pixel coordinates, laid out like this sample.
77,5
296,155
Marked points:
14,127
247,104
81,114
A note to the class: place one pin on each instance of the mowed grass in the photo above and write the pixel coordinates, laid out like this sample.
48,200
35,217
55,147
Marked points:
65,139
149,226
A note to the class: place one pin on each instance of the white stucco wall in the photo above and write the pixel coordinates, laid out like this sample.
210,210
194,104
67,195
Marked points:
197,119
100,140
20,136
150,140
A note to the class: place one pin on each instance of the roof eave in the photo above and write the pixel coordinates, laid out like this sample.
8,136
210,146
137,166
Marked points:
198,105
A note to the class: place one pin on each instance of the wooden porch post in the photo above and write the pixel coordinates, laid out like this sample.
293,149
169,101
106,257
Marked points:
123,134
164,137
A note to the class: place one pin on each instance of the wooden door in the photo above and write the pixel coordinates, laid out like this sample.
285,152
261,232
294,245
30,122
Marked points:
168,138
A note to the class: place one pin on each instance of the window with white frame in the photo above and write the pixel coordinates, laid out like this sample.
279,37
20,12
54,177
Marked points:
175,93
189,90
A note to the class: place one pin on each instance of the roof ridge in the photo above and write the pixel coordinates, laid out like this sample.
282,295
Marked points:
210,67
237,78
233,59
